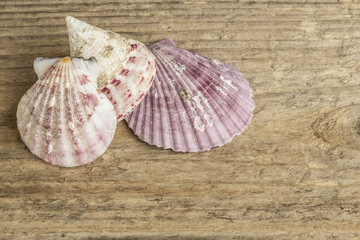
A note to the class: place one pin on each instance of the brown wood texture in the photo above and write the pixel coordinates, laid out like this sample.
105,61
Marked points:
293,174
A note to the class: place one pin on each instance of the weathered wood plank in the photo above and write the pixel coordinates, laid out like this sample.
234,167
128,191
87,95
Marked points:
293,174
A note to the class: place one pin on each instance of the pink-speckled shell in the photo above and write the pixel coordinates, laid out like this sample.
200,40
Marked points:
195,103
127,67
64,118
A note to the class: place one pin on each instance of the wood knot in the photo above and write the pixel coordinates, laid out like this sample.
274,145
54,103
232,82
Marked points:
340,127
357,127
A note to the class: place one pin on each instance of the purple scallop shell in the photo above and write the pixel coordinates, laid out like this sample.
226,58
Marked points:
194,104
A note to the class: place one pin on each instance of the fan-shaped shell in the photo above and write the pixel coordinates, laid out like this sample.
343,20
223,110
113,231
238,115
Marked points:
195,103
127,67
63,118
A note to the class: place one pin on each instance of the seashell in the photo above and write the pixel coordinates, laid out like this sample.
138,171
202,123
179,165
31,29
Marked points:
127,67
64,118
195,103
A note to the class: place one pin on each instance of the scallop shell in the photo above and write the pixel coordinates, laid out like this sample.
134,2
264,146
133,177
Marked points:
127,67
195,103
64,118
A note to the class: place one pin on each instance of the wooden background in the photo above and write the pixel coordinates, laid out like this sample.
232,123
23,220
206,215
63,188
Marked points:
293,174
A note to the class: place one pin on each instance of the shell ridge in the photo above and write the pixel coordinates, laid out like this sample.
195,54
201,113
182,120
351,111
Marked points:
132,117
76,148
214,69
221,77
235,86
82,112
24,126
43,109
155,138
214,91
138,113
165,121
35,89
77,96
230,106
178,141
71,100
161,89
212,75
244,104
47,91
188,120
69,91
53,116
29,110
240,82
147,110
38,142
235,121
63,134
194,84
242,128
153,113
191,85
61,112
61,104
147,121
184,85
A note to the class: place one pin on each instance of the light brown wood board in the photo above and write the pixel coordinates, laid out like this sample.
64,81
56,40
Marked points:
293,174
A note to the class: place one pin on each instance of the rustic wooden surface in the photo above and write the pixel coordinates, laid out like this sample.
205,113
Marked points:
293,174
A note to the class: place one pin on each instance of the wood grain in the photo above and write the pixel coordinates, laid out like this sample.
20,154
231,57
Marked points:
293,174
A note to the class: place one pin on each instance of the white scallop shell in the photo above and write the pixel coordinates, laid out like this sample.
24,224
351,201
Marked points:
195,103
63,118
127,67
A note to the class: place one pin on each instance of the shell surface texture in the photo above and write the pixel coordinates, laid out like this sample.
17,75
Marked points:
64,118
195,103
127,67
